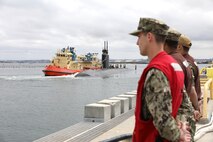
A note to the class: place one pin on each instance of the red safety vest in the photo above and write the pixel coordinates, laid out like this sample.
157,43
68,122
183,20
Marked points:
144,130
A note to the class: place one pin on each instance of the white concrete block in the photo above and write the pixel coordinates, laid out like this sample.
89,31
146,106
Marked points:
97,112
132,100
115,106
124,103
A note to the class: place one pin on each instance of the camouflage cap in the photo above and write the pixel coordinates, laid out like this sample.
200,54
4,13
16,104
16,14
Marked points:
184,41
151,25
173,35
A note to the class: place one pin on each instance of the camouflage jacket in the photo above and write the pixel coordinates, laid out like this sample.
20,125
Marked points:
157,104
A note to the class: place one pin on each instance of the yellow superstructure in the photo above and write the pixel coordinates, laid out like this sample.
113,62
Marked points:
66,58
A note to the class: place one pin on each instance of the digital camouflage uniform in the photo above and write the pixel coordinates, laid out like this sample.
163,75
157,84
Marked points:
156,91
185,112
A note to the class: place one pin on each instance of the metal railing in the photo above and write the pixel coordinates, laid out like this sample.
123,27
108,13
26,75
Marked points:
207,86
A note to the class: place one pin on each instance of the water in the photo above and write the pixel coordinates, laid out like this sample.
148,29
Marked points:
33,106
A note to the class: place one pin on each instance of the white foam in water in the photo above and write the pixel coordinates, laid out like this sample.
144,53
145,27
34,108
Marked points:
20,77
35,77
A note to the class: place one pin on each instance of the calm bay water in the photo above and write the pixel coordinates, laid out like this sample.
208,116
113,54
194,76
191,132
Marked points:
33,106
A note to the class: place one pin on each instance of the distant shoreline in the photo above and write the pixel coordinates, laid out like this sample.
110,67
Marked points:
112,61
24,61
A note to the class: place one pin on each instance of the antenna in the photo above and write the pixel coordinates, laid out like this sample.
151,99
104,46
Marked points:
106,45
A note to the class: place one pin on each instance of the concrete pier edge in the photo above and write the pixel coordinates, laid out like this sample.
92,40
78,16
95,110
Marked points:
85,131
98,122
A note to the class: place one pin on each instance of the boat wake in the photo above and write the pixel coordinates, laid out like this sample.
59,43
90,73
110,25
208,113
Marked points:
85,74
36,77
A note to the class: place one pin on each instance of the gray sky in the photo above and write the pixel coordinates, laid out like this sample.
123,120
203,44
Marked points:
35,29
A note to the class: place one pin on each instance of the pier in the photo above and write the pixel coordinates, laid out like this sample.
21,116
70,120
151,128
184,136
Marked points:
99,117
112,120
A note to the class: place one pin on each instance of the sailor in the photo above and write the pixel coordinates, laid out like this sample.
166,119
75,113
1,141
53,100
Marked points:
170,47
184,47
159,93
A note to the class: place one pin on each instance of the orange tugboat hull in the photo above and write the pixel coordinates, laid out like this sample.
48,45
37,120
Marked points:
57,71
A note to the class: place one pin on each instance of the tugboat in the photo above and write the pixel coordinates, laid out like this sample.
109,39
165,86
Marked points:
66,62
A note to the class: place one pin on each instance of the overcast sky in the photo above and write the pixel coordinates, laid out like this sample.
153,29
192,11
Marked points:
35,29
